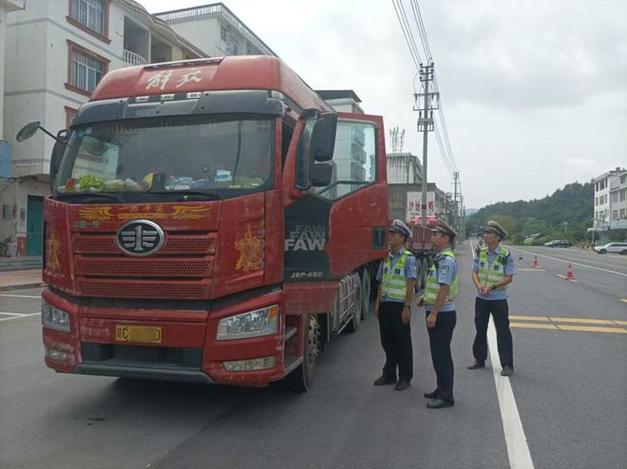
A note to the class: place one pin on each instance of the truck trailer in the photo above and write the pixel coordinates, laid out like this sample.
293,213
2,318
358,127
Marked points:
210,220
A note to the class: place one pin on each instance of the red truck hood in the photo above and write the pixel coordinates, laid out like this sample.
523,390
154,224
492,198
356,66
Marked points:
211,249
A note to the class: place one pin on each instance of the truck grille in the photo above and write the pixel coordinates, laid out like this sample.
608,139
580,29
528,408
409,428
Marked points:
181,270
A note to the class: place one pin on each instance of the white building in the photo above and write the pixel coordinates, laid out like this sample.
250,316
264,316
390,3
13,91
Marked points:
618,200
404,168
55,53
215,29
605,202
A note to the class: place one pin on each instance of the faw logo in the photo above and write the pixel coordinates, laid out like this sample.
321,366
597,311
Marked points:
140,238
306,238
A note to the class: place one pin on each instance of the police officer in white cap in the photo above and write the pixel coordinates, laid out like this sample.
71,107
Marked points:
397,277
439,301
492,271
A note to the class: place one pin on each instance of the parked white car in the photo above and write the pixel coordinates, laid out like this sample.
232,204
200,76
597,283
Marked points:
619,248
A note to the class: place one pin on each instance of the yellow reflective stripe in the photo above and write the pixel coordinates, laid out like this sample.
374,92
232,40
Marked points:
395,285
487,274
433,287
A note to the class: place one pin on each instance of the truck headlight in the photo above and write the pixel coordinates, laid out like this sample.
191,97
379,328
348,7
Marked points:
54,318
264,321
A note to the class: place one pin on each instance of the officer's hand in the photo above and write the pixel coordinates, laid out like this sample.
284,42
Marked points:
483,289
421,301
405,315
431,320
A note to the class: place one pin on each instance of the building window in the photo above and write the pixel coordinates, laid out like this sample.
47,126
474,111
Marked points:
623,195
615,197
69,115
92,16
623,214
85,69
623,179
614,214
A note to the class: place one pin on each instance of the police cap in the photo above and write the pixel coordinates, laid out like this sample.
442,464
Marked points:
442,227
494,227
398,226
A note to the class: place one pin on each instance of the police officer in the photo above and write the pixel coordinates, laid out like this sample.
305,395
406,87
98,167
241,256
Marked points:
440,291
397,277
492,271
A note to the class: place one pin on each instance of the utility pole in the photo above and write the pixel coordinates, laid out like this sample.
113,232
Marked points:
455,206
425,124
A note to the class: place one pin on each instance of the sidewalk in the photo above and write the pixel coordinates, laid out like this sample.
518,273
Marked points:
20,279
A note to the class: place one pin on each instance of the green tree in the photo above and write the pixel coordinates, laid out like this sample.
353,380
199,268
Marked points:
565,214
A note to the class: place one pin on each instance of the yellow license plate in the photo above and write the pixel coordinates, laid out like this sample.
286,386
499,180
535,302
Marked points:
143,334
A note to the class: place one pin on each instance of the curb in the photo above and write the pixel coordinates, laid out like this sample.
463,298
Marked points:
22,286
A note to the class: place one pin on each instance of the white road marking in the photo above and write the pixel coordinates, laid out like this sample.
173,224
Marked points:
586,266
515,438
17,315
20,296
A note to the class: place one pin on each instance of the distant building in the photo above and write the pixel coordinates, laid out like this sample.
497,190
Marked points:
216,30
609,197
52,56
342,100
610,205
404,168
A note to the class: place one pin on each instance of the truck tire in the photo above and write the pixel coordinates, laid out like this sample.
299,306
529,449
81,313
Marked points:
353,324
366,293
301,379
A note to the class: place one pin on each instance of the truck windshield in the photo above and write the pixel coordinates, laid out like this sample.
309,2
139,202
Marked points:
171,154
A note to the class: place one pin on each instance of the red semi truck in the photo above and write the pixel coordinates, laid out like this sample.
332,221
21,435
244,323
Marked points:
210,220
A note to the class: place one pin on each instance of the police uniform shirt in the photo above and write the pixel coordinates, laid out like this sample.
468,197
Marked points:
410,270
446,272
509,269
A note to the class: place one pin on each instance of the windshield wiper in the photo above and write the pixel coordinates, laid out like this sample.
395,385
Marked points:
188,195
90,197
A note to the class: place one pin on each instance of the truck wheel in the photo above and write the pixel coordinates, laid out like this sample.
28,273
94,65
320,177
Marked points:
301,379
353,325
366,292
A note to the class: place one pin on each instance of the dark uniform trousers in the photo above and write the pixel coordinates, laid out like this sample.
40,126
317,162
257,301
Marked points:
500,312
440,338
396,341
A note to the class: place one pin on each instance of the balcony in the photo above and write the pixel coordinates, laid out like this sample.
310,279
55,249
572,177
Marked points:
133,58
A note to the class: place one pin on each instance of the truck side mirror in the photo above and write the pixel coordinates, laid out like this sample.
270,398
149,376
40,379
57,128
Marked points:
323,137
57,154
321,174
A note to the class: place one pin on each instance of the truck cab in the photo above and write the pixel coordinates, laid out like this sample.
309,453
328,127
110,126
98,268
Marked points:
210,220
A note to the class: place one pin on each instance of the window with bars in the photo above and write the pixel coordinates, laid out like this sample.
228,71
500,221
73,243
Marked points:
86,71
89,13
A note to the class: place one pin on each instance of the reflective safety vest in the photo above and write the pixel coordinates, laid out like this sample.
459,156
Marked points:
394,281
492,274
433,287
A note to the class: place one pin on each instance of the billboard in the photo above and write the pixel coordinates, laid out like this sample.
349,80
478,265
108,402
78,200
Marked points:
414,200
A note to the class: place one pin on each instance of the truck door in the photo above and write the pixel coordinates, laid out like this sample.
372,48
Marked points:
335,228
358,194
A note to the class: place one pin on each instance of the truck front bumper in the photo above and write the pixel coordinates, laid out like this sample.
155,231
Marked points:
183,347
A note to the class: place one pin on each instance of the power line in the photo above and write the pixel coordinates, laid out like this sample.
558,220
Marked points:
402,19
421,29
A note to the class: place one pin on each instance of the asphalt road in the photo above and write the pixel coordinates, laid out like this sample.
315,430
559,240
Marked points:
569,390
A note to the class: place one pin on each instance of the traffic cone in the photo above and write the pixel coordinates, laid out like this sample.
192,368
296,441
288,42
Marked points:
569,273
536,265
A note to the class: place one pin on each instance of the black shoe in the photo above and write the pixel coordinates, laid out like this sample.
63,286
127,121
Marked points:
382,380
440,404
432,395
507,370
476,365
402,384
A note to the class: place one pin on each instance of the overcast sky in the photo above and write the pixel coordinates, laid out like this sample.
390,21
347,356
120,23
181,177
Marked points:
534,92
